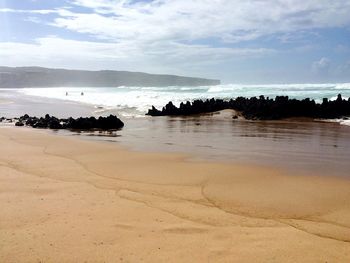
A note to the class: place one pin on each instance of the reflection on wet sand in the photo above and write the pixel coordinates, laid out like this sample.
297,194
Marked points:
317,147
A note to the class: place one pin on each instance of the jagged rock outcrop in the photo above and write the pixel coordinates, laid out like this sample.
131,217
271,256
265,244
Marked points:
262,108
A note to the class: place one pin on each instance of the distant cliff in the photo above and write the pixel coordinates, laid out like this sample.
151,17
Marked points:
44,77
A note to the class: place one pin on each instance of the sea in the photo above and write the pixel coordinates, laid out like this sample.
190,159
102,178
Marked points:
135,101
312,147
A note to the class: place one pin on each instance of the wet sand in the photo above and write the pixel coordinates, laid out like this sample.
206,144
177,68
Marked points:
298,145
69,200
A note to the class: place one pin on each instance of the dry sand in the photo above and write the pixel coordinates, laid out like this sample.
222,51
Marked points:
68,200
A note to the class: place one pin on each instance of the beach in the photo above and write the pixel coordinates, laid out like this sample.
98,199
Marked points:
65,199
174,131
204,188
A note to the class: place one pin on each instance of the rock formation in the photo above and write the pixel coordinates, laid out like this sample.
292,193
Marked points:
262,108
102,123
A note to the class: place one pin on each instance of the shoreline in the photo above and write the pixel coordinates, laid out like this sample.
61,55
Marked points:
110,98
296,144
163,208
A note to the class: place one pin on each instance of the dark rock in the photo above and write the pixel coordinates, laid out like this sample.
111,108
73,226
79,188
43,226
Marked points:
19,123
262,108
55,124
110,122
154,112
103,123
339,98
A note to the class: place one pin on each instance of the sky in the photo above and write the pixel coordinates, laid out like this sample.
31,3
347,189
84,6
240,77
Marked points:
250,41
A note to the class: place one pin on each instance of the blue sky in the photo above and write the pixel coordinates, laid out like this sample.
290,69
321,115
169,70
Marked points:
252,41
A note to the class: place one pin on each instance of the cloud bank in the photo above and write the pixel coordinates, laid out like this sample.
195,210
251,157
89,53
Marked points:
172,35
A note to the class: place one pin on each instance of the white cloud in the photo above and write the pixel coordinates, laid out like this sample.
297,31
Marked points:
33,19
178,20
168,35
39,12
227,20
321,66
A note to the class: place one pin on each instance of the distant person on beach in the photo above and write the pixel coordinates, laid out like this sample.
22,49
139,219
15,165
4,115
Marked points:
66,93
82,94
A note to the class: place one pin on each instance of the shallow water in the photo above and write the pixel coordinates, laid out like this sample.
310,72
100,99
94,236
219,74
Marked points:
314,147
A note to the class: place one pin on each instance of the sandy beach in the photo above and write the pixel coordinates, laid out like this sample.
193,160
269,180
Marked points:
174,131
70,200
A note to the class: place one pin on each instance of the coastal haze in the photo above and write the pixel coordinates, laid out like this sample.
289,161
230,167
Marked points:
174,131
44,77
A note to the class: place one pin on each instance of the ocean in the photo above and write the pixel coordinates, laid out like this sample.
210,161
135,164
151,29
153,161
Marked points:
135,101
